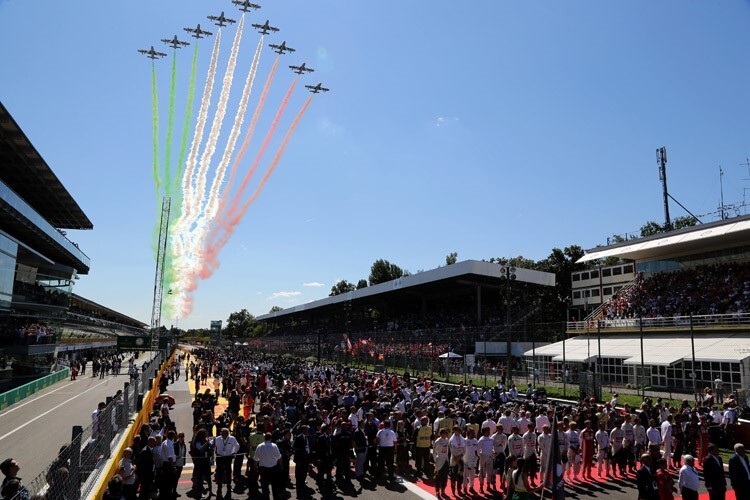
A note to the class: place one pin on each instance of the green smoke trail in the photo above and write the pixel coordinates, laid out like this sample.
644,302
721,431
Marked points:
170,128
186,123
155,117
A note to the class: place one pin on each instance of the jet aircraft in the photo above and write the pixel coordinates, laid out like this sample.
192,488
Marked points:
197,32
152,54
174,42
301,69
317,88
246,5
265,28
280,49
221,20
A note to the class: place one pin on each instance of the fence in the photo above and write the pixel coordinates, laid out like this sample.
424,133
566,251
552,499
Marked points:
713,321
15,395
73,475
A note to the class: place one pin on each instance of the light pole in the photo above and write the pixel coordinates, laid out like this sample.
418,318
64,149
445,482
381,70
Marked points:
508,273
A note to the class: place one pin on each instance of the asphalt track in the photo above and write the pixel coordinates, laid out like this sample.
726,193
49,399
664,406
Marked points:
33,430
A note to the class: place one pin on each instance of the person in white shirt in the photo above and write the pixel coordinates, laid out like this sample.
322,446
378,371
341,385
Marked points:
226,446
529,452
641,439
602,458
386,440
457,448
523,423
471,457
500,443
545,446
689,482
268,458
507,422
653,434
489,424
441,456
542,420
573,467
486,452
666,436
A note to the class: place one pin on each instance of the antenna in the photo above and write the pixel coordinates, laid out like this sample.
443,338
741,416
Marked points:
661,160
721,190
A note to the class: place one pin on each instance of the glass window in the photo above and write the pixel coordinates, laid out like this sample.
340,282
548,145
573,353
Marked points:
606,272
585,276
725,367
735,378
735,367
576,277
608,290
616,271
588,293
576,295
627,269
595,292
594,274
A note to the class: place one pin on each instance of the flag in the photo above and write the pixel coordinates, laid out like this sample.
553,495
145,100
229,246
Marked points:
554,486
348,342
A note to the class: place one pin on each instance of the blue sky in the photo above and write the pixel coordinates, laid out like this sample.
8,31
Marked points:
487,128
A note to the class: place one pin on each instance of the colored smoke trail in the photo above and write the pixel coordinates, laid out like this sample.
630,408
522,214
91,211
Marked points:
212,204
155,128
187,202
210,262
250,131
199,194
170,128
262,150
188,116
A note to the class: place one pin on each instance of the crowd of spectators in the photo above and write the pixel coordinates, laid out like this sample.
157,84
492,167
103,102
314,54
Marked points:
704,290
26,333
33,292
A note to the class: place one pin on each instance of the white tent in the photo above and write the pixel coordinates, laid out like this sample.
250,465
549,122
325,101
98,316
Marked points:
450,355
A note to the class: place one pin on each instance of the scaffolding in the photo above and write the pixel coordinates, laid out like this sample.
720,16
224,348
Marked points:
161,257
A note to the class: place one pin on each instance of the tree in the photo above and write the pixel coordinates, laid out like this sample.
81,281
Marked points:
382,271
276,309
240,324
342,286
684,221
361,284
451,258
651,228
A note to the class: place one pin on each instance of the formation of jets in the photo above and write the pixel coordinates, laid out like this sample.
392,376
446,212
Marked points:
280,49
246,5
175,43
151,53
197,32
222,20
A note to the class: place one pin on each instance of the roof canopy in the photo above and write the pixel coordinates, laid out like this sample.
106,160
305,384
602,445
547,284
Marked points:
24,170
658,350
697,239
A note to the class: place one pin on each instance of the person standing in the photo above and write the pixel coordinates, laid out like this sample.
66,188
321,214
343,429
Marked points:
268,458
126,470
645,479
226,446
689,481
386,441
457,448
423,439
486,452
302,453
666,436
441,457
12,486
664,480
602,457
739,472
713,474
587,449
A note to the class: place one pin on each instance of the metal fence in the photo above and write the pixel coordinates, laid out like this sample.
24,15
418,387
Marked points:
74,473
715,321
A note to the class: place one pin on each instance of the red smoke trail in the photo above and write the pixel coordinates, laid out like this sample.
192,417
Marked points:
248,135
211,251
261,151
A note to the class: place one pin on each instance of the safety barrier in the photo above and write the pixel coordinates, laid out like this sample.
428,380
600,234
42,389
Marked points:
81,466
19,393
142,417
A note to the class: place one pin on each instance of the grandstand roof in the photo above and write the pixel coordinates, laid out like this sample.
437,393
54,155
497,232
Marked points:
658,350
24,170
78,300
468,272
690,240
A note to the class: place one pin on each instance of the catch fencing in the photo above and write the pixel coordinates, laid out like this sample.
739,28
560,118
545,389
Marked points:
73,475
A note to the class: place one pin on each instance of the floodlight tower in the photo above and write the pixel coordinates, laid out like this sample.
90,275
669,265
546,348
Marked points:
161,257
661,160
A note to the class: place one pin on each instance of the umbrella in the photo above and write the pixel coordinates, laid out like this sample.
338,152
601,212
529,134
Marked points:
165,397
451,355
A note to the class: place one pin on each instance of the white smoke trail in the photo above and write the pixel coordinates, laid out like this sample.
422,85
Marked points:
213,137
212,205
188,207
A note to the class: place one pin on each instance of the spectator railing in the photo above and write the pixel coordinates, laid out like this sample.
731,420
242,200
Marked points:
711,321
74,473
597,313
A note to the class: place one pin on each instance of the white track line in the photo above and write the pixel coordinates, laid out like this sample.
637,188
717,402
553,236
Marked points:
14,408
50,410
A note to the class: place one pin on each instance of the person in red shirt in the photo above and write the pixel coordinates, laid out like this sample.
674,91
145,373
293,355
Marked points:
587,449
664,480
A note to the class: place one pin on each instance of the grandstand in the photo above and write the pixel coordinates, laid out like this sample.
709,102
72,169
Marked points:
39,314
686,296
